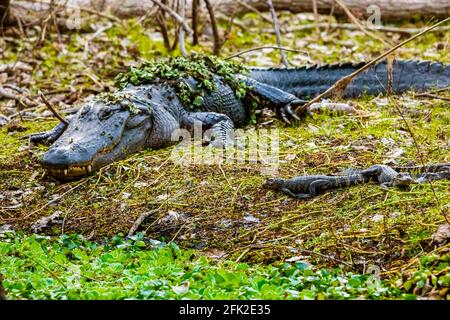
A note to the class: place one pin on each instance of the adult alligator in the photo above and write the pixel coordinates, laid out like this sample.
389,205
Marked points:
152,105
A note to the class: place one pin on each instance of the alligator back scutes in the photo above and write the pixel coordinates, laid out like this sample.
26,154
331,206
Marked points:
309,81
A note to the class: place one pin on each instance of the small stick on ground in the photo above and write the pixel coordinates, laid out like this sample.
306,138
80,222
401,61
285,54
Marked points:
276,26
433,96
55,199
352,27
342,83
265,47
24,101
139,221
55,113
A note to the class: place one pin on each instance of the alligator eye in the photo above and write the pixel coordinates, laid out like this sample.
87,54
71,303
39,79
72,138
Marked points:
107,113
86,109
135,121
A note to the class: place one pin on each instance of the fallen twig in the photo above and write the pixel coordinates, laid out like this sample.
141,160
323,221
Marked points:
54,200
55,113
358,24
139,221
342,83
10,95
265,47
434,96
352,27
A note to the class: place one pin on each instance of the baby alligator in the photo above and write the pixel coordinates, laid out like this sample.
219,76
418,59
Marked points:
306,187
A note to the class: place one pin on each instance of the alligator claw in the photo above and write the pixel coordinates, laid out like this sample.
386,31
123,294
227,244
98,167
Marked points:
284,116
288,110
288,113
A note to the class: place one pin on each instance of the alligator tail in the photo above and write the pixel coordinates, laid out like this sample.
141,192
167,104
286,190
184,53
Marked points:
308,82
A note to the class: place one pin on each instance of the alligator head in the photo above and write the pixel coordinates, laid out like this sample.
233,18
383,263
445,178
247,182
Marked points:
103,132
274,183
402,179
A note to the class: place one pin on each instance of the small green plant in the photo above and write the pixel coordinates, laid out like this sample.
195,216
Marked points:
70,267
201,68
110,98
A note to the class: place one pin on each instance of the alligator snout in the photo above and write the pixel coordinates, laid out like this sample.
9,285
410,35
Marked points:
67,162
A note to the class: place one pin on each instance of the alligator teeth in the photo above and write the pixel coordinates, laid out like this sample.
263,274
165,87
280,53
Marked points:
65,172
89,168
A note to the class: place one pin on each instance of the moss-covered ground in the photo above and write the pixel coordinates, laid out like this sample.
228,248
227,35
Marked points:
221,209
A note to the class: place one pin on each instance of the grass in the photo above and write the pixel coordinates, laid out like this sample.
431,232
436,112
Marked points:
223,208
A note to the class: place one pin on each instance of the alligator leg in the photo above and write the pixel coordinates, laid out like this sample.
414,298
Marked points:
372,171
285,102
376,171
218,127
316,186
47,137
288,192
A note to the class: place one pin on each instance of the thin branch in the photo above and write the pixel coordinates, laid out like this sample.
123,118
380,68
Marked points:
352,27
55,113
266,47
342,83
432,91
175,15
181,32
276,26
358,24
253,9
195,9
161,20
217,42
86,9
433,96
316,17
227,31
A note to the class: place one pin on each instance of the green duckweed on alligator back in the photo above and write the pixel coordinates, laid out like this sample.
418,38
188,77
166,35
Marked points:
159,98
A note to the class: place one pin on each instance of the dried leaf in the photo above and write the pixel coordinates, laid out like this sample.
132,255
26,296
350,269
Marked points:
442,234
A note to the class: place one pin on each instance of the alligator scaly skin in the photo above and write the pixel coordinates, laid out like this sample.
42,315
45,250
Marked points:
308,82
306,187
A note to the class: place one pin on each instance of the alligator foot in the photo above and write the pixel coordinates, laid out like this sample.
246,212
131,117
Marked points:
47,137
288,114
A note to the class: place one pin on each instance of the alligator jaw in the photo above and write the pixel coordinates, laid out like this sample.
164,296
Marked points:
70,172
